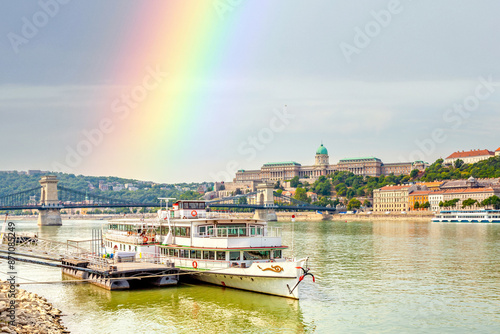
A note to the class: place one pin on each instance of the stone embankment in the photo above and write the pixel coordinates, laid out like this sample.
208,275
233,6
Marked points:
313,216
33,314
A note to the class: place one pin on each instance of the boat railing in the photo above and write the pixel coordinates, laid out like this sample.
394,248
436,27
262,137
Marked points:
213,215
218,264
201,263
132,239
243,232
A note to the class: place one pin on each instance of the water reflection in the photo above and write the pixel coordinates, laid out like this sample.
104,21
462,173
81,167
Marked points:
190,307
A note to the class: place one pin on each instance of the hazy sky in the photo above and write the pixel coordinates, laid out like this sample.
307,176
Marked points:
399,80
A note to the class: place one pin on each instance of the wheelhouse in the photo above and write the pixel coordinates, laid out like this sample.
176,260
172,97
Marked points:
188,209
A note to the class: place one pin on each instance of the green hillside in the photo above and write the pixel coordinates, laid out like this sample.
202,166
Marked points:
13,182
483,169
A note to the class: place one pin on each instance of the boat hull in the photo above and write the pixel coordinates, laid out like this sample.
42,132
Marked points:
277,286
280,278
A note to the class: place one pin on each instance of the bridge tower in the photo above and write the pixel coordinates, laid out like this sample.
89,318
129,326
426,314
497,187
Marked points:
50,213
265,196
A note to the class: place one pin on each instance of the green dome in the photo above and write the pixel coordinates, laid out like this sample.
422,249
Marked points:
322,150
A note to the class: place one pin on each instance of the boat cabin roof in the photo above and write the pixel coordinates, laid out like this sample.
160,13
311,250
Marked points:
187,222
189,205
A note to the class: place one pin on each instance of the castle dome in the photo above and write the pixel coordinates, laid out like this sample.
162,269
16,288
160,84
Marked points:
322,150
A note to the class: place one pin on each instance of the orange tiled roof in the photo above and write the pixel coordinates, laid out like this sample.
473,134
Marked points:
437,192
498,149
435,183
394,187
473,153
469,190
420,192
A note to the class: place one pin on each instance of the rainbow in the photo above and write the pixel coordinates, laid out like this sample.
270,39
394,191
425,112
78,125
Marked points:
187,42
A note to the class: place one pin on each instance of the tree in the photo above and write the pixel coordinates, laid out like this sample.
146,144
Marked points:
426,205
350,193
459,163
468,202
242,200
238,191
414,173
322,186
454,202
494,201
301,194
450,203
353,204
294,183
367,203
416,206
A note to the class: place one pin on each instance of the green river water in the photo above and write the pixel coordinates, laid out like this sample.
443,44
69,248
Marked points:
380,277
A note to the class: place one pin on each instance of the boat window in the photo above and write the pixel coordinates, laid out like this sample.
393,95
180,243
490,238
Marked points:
256,255
182,231
202,230
196,254
231,230
234,256
221,256
184,253
255,230
277,253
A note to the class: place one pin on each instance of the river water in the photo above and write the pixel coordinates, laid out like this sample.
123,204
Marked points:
380,277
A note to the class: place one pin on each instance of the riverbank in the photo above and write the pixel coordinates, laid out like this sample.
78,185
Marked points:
33,313
313,216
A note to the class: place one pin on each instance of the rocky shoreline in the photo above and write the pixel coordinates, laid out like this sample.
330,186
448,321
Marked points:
33,313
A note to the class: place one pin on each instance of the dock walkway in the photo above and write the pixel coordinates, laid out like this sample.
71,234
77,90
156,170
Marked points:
76,261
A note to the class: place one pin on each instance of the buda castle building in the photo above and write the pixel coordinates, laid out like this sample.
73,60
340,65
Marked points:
366,166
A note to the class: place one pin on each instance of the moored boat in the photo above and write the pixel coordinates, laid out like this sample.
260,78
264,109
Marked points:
470,216
241,253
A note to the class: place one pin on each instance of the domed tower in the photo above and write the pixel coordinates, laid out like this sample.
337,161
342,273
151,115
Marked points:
321,156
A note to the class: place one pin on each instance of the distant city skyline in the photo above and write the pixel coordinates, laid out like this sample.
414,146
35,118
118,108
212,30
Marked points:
179,91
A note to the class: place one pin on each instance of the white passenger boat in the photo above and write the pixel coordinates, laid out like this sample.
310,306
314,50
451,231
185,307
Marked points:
232,252
471,216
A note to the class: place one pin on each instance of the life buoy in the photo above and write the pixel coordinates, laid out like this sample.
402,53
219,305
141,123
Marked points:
194,213
195,264
145,240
